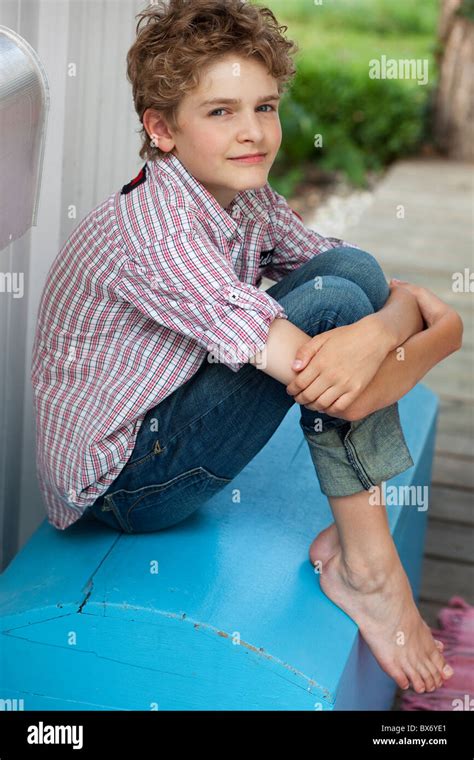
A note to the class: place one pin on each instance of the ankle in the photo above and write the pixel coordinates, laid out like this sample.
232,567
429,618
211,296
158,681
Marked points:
368,574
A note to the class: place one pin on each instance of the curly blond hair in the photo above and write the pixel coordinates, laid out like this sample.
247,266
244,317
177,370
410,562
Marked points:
181,37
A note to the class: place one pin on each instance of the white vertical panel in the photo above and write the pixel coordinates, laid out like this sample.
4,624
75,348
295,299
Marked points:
101,151
91,151
45,25
21,16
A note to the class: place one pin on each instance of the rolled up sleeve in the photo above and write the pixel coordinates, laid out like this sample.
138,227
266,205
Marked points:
293,243
184,283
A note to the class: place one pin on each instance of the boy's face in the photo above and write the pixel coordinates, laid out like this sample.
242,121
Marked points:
211,136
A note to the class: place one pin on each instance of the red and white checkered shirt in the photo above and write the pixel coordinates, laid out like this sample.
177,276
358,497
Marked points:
154,278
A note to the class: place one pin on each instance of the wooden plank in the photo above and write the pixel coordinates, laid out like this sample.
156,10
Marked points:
451,504
453,470
449,540
436,229
442,579
456,418
454,444
454,381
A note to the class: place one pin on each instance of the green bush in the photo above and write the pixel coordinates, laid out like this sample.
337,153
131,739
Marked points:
365,123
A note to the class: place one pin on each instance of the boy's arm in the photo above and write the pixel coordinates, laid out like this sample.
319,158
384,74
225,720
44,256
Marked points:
395,376
404,367
399,318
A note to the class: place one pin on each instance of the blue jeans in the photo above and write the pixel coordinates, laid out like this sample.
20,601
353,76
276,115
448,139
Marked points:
195,441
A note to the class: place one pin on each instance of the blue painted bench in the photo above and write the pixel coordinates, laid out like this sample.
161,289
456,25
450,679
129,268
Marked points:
223,611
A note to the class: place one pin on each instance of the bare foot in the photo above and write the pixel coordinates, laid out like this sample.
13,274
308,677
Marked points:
325,545
388,619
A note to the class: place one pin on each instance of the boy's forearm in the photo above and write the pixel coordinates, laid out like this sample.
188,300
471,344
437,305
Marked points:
275,359
400,371
405,366
400,317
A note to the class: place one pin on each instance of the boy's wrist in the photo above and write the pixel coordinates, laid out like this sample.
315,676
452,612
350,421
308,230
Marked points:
384,331
398,319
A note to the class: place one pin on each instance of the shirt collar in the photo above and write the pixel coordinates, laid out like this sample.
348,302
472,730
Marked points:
227,219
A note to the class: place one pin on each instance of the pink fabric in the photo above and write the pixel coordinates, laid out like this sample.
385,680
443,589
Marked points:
457,634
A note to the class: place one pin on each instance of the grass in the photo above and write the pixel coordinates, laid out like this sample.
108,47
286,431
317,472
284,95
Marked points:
385,17
353,31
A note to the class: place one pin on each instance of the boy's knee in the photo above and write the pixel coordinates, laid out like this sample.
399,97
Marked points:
340,293
370,272
333,299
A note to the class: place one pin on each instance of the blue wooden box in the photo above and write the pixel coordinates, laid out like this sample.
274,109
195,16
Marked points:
221,612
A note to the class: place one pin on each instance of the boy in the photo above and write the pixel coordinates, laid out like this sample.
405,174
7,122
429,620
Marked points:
159,365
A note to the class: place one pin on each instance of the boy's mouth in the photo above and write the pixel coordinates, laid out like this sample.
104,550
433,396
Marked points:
249,158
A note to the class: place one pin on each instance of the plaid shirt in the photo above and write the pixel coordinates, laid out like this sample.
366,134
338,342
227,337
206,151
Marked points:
154,278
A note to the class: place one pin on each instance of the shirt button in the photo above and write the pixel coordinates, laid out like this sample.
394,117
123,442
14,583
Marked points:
234,295
236,212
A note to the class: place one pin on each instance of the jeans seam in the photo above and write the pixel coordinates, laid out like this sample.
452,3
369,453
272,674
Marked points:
112,508
356,463
332,320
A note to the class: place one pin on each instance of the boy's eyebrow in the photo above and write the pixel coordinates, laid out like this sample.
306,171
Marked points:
233,101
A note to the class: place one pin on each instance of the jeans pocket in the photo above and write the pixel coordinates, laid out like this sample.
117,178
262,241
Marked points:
157,506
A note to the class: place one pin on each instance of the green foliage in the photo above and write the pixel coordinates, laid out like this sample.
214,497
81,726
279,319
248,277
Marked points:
365,123
467,9
373,16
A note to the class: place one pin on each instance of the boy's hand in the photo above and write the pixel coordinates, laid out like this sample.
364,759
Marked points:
337,366
432,308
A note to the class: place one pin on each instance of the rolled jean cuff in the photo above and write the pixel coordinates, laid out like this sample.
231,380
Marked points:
359,453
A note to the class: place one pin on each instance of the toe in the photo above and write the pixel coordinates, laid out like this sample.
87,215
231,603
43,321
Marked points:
401,679
395,671
425,673
447,672
435,674
439,662
416,680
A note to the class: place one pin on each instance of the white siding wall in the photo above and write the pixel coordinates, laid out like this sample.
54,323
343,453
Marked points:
91,151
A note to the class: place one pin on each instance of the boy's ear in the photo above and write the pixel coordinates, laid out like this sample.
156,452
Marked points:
156,126
151,120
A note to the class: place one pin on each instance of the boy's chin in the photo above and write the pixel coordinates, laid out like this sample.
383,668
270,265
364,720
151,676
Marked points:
252,183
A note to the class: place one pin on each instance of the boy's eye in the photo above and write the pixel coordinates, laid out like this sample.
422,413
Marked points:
265,105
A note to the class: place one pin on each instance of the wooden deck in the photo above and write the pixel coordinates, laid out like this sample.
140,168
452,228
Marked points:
434,240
